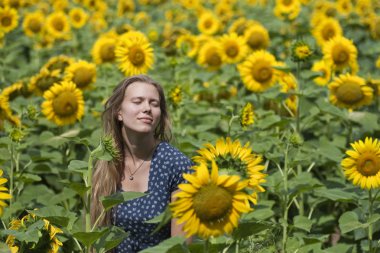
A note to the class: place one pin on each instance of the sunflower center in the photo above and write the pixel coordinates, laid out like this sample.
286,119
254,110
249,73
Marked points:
262,72
82,77
340,56
208,23
232,50
349,93
255,41
6,21
287,2
61,65
58,24
328,33
65,104
214,59
45,83
368,164
136,56
107,52
77,17
212,203
35,25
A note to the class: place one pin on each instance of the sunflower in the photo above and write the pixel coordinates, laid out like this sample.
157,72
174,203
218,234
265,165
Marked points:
240,25
125,6
4,195
350,92
325,70
233,158
82,73
63,103
374,26
103,50
326,29
257,37
234,48
141,18
208,23
189,43
247,115
374,84
211,55
301,51
175,95
362,166
224,11
134,53
363,8
257,71
44,80
287,9
58,26
377,64
48,241
78,17
288,84
8,19
344,7
33,23
341,53
60,63
98,22
210,205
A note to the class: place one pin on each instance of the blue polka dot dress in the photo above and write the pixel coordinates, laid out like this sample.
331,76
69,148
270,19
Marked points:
166,168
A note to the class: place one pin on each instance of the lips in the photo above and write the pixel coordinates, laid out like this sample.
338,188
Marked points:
146,120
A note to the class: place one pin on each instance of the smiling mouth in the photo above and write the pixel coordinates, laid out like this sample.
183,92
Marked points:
146,120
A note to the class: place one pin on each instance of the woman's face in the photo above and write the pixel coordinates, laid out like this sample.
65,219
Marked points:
140,110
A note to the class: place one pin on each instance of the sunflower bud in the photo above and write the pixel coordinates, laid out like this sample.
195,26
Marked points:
175,95
17,134
31,112
301,51
247,115
296,139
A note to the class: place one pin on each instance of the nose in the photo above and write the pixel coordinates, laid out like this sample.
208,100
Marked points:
146,106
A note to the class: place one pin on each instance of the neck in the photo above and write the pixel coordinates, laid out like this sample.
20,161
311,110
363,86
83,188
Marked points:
139,146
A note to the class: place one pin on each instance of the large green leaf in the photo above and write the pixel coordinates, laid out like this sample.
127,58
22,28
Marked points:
302,222
118,198
56,215
113,237
349,221
336,194
166,245
88,238
249,228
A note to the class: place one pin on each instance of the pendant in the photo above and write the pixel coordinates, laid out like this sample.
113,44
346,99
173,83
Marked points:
130,177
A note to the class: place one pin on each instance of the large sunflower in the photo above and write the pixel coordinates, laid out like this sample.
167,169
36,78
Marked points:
48,241
340,53
44,80
287,9
210,205
211,55
234,48
350,92
58,26
257,37
208,23
78,17
8,19
233,158
33,23
362,166
103,50
326,29
257,71
82,73
4,195
64,103
344,7
189,43
325,70
134,53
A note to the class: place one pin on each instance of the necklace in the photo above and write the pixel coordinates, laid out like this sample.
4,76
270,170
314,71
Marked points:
130,172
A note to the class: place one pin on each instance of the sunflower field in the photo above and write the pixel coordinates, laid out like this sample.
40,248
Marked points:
275,101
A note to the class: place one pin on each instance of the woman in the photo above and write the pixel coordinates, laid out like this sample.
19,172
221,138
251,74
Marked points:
136,116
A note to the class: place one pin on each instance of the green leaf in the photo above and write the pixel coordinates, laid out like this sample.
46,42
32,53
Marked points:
303,223
249,228
166,245
162,219
4,248
78,166
341,248
336,194
88,238
349,221
118,198
368,121
80,188
30,235
113,237
56,215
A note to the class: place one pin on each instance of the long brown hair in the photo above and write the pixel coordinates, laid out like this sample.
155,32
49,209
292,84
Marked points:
107,176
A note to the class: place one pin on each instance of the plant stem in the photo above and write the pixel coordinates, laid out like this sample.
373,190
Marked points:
285,204
370,209
298,88
89,191
206,246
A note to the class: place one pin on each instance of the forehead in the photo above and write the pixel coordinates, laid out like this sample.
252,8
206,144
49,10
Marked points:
141,89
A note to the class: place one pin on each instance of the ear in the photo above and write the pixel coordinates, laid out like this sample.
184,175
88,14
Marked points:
119,117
